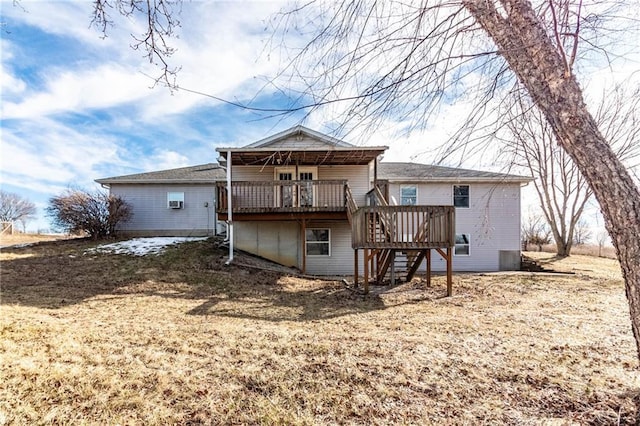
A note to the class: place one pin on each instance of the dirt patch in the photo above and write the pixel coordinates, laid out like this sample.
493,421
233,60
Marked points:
181,338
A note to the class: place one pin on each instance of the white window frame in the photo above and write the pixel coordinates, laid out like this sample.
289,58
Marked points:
402,198
307,242
175,196
468,245
453,196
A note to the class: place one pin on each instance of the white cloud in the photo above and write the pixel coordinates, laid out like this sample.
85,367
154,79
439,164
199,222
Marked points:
48,155
10,84
64,18
106,86
166,159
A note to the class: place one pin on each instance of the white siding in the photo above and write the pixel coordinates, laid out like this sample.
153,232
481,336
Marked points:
492,220
151,216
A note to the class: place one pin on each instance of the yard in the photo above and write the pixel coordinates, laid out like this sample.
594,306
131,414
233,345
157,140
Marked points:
176,338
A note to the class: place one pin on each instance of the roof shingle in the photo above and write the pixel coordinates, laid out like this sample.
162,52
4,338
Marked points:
204,173
415,171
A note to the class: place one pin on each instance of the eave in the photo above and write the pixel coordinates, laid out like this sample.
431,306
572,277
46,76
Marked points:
311,157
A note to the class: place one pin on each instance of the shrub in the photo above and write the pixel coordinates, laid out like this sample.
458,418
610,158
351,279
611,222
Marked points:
96,213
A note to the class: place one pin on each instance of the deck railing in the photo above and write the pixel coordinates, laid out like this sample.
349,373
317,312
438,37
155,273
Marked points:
403,227
283,196
351,204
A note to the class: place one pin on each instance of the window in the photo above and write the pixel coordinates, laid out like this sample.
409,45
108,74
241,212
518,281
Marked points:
408,195
318,242
175,200
462,245
461,196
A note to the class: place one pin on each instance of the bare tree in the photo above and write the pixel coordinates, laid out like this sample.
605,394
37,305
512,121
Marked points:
14,208
562,190
98,214
402,59
425,52
602,238
161,18
582,233
535,230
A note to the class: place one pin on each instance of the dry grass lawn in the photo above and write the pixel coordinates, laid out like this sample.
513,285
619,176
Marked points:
20,238
181,339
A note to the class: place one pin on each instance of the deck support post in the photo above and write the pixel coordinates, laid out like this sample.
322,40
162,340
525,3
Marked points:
366,271
393,267
355,268
449,271
428,256
304,246
229,209
448,256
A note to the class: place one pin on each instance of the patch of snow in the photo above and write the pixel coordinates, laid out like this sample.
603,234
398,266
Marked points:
21,245
142,246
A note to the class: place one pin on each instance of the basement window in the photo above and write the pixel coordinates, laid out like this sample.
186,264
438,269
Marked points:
318,242
462,245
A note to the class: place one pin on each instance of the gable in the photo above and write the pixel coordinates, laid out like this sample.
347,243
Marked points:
299,142
301,146
299,138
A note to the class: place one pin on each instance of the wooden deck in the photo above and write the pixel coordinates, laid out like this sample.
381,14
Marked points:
403,227
380,230
384,231
268,197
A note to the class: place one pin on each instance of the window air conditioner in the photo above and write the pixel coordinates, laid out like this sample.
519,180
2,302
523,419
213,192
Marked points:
175,204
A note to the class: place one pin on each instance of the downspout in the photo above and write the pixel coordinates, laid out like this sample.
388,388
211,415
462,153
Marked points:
229,209
215,209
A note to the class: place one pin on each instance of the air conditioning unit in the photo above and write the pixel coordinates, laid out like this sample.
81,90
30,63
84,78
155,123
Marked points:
175,204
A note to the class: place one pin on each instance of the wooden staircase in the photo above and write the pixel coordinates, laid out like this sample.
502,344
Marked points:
397,239
392,264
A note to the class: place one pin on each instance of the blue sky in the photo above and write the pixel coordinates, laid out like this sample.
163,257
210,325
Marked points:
77,106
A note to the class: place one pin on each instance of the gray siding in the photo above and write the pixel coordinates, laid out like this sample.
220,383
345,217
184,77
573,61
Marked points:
340,262
278,241
152,217
297,144
492,221
282,242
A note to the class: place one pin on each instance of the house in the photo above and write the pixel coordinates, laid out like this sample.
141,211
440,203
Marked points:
310,201
176,202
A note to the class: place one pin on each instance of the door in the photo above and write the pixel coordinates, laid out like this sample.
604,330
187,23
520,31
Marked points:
297,188
306,188
285,193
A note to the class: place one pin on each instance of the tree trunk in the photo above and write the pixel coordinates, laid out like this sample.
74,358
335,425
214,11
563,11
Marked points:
563,249
541,68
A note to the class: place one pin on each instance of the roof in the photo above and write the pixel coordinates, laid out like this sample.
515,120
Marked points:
302,146
300,131
413,172
204,173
